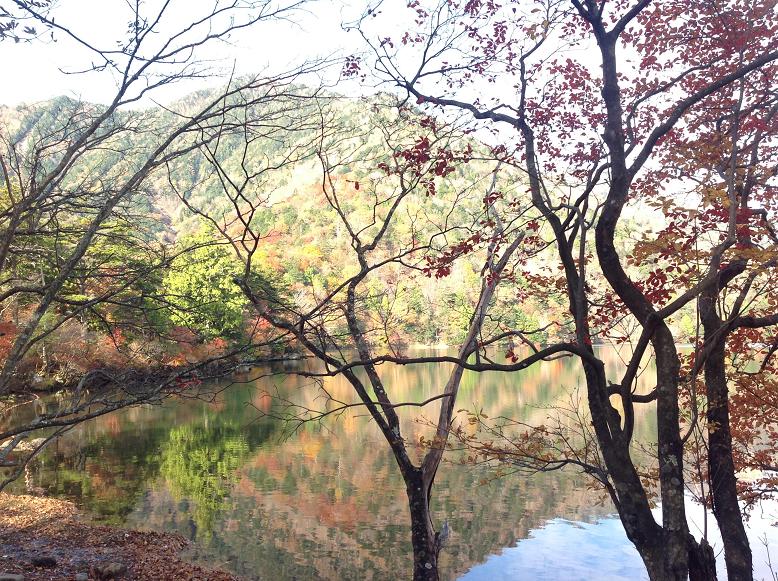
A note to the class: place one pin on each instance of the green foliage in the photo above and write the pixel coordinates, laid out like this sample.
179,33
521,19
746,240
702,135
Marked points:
201,290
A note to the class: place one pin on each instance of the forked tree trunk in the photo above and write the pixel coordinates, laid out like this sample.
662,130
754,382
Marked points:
700,556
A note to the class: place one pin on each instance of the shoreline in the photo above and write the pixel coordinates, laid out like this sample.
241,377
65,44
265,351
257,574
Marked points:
43,539
136,377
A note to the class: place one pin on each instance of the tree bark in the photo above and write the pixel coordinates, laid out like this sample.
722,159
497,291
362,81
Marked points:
671,477
423,538
721,465
702,561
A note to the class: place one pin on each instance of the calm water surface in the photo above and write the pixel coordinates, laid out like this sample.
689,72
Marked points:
327,501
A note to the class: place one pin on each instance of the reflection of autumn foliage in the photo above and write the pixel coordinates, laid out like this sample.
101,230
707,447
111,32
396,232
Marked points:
325,503
351,498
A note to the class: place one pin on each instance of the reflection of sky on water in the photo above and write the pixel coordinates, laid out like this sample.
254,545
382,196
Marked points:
760,527
565,550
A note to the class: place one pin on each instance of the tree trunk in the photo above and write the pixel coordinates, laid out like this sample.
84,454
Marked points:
723,482
721,465
671,476
425,546
630,497
653,556
702,561
700,557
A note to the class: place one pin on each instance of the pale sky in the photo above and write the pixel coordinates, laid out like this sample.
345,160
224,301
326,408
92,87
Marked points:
34,71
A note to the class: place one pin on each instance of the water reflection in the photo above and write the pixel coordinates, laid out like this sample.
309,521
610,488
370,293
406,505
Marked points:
328,502
542,555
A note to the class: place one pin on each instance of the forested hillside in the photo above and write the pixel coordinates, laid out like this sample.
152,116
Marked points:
187,306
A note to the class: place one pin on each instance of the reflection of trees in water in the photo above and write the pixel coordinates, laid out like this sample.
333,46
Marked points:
326,503
104,471
199,461
107,466
528,395
332,506
198,464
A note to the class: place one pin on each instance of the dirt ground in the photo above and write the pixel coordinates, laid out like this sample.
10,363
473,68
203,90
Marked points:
46,539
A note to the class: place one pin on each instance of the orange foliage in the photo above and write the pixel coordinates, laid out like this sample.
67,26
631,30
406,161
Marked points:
8,332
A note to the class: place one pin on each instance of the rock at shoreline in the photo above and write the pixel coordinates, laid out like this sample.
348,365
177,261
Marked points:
25,445
44,561
109,570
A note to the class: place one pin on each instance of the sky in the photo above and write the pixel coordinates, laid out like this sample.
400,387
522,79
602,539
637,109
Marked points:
41,69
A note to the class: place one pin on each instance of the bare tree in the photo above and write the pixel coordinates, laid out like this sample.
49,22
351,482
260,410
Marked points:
385,224
18,24
88,180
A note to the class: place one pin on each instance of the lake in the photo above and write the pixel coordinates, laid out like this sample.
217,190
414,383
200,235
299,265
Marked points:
270,500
